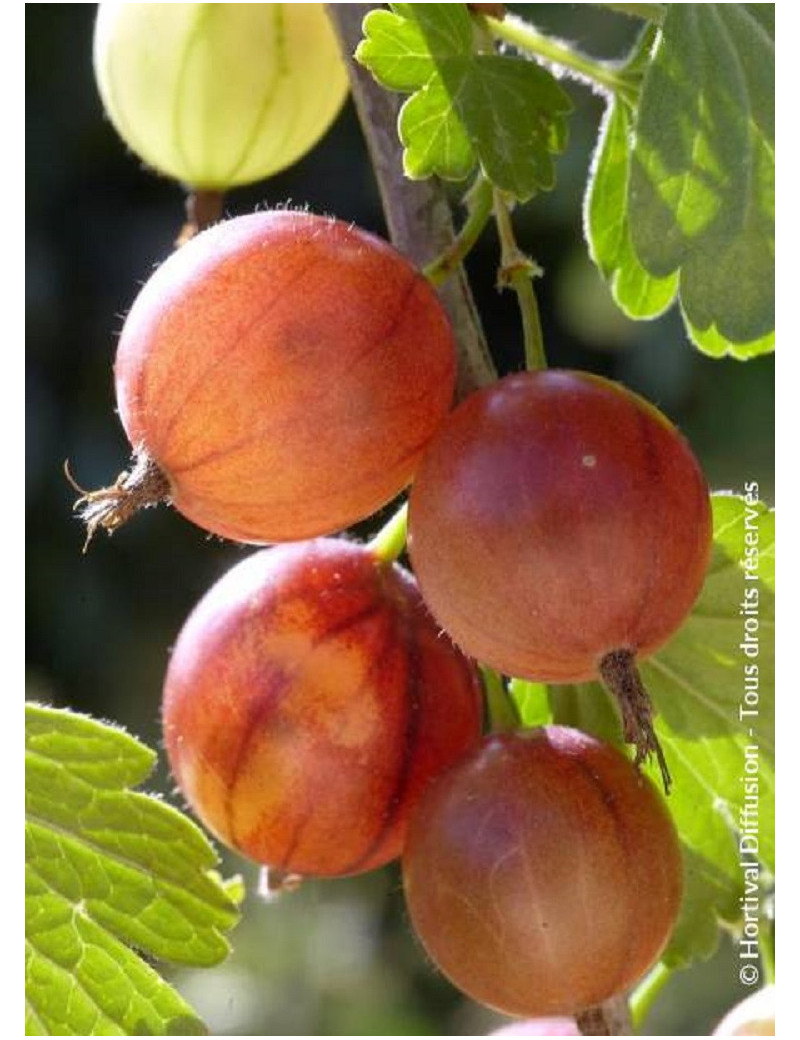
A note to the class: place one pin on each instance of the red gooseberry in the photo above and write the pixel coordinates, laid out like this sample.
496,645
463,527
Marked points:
560,528
278,377
543,873
308,701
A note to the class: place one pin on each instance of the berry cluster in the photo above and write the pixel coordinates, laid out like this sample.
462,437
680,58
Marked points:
283,376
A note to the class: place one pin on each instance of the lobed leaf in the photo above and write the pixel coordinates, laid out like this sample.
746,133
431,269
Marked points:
713,343
680,198
607,224
701,196
107,869
466,107
697,682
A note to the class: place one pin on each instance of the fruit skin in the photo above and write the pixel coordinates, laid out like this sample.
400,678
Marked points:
543,873
558,517
754,1016
217,95
285,371
308,701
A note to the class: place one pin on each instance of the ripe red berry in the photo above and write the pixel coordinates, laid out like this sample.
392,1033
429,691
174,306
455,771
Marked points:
279,377
308,701
559,526
543,873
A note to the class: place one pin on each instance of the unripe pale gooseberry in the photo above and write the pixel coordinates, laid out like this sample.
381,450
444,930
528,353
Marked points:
560,527
309,700
279,377
543,873
754,1016
217,95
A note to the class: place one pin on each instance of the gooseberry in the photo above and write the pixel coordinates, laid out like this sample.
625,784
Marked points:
560,527
540,1027
217,95
279,377
308,701
753,1016
542,872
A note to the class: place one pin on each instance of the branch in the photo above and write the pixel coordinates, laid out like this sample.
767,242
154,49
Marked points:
421,227
417,212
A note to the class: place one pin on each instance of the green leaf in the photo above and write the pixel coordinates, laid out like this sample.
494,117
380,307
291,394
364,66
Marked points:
701,197
697,682
466,107
108,868
434,139
636,292
395,51
715,345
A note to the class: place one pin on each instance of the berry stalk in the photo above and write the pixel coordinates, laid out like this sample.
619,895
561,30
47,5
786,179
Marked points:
517,272
647,992
203,208
389,543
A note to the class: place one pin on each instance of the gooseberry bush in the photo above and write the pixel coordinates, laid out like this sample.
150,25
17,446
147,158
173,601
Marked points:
544,685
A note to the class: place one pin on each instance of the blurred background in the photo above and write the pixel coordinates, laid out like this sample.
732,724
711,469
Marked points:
337,957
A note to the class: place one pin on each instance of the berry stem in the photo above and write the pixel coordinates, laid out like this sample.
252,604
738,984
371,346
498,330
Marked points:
203,208
479,209
647,992
621,676
517,272
603,74
500,707
390,542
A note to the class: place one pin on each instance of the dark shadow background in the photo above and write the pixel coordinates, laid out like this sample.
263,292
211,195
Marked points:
335,958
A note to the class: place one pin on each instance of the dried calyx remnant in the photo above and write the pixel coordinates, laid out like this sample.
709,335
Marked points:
273,883
621,676
609,1019
139,487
